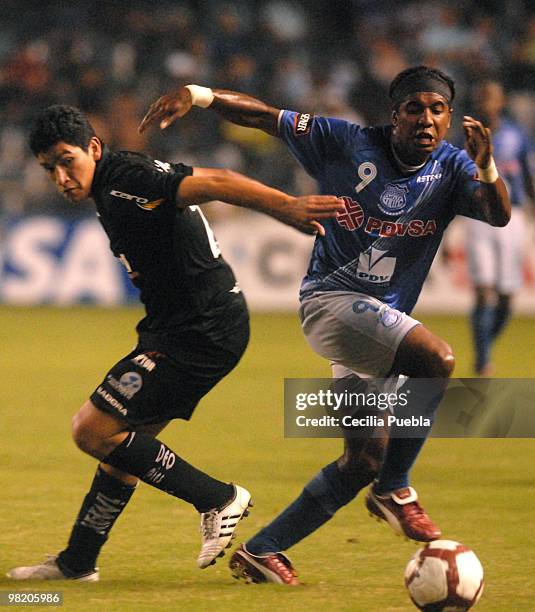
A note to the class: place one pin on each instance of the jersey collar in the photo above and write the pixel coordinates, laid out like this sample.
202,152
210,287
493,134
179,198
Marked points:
405,168
99,169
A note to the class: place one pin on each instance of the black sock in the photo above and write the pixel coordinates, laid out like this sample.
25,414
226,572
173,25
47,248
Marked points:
100,509
157,465
502,314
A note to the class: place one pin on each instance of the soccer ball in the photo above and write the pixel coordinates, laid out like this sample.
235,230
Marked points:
444,575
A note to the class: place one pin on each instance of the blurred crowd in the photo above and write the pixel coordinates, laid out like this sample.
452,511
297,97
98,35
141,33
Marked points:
337,58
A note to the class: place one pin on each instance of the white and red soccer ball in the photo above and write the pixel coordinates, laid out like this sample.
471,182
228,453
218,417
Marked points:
444,575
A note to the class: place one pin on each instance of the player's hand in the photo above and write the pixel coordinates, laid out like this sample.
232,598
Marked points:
167,109
478,141
305,213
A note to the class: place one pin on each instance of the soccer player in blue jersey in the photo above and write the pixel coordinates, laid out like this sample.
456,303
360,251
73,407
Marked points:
402,184
495,254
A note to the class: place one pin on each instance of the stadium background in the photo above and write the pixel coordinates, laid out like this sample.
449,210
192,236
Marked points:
112,59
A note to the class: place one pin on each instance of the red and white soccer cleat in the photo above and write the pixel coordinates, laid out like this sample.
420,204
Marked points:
401,510
276,568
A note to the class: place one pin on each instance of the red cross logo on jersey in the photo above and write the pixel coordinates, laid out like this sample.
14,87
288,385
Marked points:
353,217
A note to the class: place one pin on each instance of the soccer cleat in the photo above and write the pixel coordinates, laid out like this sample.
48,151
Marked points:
49,570
218,526
401,510
275,568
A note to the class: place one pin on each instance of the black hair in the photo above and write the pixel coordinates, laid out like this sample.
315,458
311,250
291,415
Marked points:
60,123
419,73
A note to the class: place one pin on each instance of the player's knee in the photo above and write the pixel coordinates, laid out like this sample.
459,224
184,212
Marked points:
84,437
445,363
441,362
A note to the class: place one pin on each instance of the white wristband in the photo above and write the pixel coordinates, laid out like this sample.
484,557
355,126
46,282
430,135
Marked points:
488,174
201,96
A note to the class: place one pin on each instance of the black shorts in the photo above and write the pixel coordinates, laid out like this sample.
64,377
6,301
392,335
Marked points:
167,374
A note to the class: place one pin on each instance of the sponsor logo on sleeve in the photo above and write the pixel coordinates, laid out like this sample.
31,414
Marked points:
302,123
128,196
141,202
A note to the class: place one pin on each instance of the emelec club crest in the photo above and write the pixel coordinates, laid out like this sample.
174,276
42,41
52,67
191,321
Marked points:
393,199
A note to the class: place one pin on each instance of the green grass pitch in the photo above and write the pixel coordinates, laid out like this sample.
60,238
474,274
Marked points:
481,492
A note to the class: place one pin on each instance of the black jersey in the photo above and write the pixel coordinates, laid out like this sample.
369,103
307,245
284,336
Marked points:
170,253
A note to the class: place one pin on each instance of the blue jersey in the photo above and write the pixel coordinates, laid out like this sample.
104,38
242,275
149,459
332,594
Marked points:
384,243
511,152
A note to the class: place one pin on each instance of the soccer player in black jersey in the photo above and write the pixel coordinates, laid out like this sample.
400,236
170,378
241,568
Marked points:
195,330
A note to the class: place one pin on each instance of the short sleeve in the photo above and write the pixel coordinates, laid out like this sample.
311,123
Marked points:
315,141
149,185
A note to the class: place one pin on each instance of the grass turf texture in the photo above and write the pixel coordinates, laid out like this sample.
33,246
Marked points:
479,491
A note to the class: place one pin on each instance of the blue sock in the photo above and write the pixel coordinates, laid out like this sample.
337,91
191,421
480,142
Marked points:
401,451
483,321
320,499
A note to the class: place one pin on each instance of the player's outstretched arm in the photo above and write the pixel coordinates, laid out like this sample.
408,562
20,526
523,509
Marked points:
492,194
233,106
303,213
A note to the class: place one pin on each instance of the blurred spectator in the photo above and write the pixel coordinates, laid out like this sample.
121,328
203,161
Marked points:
447,34
330,58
